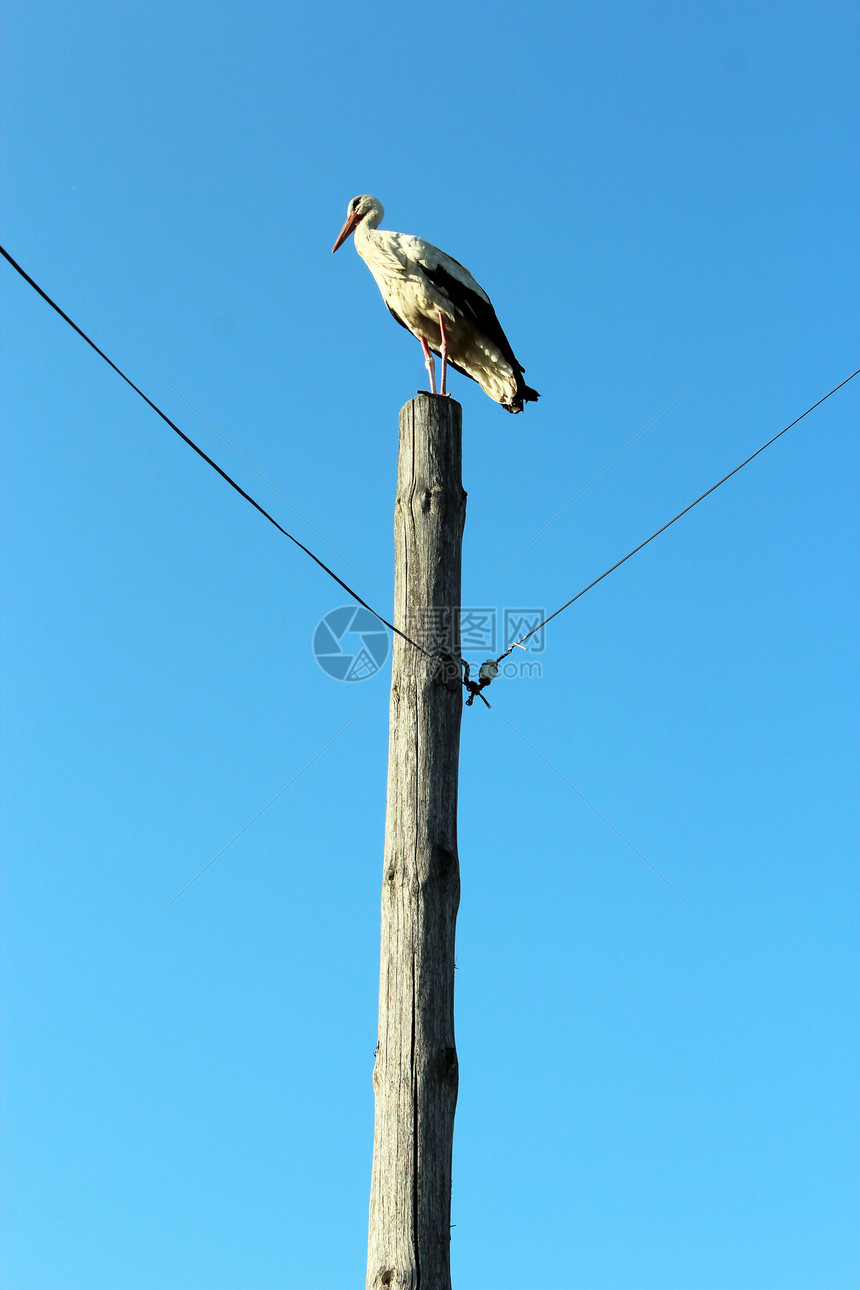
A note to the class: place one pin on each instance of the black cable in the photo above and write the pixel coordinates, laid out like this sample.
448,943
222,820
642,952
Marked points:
349,590
191,444
713,487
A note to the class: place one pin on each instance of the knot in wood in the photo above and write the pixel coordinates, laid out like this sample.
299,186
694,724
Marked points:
447,1066
444,861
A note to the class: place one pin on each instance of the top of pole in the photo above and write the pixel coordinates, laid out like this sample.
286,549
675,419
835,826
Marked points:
427,398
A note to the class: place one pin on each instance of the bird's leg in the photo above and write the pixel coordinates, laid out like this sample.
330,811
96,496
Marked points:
429,364
443,351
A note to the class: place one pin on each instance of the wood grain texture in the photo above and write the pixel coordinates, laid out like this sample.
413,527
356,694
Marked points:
415,1075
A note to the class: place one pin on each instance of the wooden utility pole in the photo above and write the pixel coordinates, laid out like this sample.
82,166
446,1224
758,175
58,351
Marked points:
415,1076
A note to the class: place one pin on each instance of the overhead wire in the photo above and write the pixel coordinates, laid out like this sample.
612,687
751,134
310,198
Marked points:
518,644
593,480
266,481
209,461
473,687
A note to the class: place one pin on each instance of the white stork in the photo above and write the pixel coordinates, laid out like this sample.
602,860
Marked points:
440,302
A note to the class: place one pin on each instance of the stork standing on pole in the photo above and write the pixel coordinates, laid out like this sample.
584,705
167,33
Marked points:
439,301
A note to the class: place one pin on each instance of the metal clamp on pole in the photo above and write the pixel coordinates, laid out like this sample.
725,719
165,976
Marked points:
487,673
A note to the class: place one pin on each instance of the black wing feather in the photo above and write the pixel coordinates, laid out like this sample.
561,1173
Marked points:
475,307
484,317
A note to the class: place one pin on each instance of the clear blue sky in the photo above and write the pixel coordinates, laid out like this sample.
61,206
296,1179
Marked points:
651,1095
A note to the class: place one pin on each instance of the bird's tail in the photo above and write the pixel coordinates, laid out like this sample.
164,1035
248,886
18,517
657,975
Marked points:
524,394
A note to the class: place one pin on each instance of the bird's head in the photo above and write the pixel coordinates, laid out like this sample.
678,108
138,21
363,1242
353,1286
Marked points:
361,210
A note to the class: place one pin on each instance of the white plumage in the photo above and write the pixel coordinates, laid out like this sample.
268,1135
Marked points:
439,301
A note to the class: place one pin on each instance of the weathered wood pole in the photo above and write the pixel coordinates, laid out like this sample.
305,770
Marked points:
415,1075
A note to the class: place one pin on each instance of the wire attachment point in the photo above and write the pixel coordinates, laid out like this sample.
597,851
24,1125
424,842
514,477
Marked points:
487,673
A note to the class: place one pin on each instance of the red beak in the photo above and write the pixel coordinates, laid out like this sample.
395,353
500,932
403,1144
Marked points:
349,227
